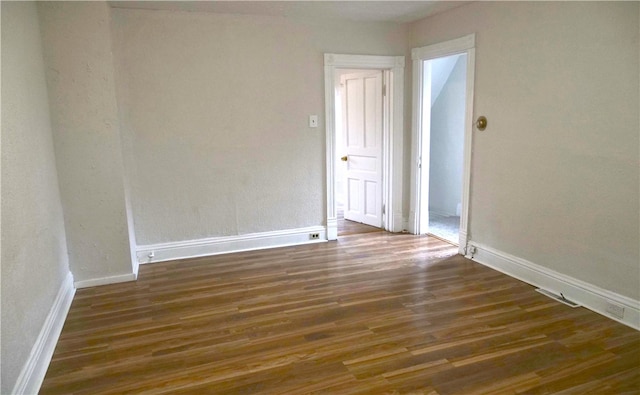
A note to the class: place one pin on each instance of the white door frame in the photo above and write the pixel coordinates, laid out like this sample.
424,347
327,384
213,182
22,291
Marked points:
461,45
392,135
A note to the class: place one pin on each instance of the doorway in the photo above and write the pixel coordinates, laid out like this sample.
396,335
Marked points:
444,192
386,204
443,99
361,108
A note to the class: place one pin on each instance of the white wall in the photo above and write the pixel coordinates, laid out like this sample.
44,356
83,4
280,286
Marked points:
555,176
441,69
215,117
447,140
34,252
80,75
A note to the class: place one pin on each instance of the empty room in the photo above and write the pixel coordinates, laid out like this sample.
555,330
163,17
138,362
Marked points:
368,197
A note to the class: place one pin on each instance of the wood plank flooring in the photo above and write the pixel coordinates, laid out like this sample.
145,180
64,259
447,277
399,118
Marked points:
374,313
346,227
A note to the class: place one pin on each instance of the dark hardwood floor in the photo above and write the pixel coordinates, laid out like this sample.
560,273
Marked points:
373,313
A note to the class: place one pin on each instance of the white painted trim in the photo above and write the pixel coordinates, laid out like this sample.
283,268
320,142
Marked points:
392,173
405,224
95,282
136,268
346,61
330,131
414,165
399,222
466,45
588,295
35,368
332,228
387,166
451,47
468,141
462,240
227,244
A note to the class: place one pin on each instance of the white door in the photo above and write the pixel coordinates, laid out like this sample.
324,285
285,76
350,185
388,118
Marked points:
362,115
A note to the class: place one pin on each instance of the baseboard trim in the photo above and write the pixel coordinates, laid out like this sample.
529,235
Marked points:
442,213
227,244
33,372
462,241
399,222
332,228
405,225
588,295
136,268
94,282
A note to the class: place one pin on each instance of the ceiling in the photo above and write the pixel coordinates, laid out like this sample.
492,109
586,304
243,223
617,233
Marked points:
362,11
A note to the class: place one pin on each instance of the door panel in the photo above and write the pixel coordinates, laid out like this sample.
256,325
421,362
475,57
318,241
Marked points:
353,114
362,163
370,198
372,111
353,192
363,144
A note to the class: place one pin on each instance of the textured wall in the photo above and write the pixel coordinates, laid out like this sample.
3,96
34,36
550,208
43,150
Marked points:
555,177
215,111
77,50
34,252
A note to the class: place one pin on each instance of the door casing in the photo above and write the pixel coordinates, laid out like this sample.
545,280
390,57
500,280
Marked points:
392,135
419,164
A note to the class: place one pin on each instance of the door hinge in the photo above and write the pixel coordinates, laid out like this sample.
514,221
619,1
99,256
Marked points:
384,209
384,89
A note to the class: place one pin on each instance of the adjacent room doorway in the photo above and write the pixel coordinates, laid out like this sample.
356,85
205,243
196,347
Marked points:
364,130
443,197
443,99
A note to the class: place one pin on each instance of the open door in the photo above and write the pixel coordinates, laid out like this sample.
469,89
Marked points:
392,68
362,133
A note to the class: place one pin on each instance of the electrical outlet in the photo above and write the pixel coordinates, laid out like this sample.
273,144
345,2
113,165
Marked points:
314,236
615,310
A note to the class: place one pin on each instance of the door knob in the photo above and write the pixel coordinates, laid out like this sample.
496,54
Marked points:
481,123
344,158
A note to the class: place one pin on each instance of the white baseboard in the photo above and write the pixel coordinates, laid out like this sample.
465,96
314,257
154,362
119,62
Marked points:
462,241
442,213
404,226
35,368
399,223
410,223
223,245
136,268
588,295
94,282
332,228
